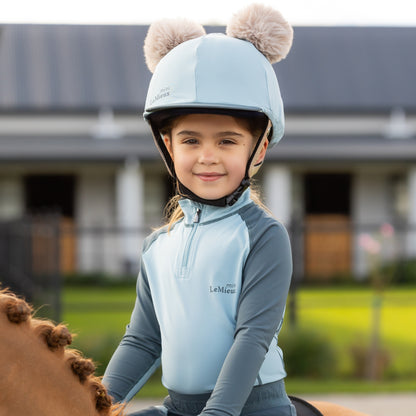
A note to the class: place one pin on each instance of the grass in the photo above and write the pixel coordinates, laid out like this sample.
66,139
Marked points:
98,310
346,317
99,316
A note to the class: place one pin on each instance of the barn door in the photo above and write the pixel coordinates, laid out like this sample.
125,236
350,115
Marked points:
54,194
327,235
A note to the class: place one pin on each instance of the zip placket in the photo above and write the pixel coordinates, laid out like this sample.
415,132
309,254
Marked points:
183,271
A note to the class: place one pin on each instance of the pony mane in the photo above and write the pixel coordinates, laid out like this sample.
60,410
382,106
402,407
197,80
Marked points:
56,339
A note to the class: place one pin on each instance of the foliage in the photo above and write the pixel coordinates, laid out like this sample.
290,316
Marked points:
100,348
307,353
98,279
403,271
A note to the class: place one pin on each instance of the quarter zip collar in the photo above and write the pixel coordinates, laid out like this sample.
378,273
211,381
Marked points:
196,212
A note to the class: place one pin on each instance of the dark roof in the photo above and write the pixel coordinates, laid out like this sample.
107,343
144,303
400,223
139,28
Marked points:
72,68
83,68
350,69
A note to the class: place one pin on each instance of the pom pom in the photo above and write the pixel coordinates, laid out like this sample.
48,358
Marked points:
164,35
265,28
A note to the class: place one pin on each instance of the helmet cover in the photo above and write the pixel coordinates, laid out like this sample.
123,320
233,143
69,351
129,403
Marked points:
194,72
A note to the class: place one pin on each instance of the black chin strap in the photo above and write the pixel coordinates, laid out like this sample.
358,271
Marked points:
225,201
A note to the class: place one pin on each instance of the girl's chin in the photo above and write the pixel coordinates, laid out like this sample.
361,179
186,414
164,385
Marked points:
211,195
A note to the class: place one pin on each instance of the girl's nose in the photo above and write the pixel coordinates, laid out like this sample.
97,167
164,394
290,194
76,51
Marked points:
208,155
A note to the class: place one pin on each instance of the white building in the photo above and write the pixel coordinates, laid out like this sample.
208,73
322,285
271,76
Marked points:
72,139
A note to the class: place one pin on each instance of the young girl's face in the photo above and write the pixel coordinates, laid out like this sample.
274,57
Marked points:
210,153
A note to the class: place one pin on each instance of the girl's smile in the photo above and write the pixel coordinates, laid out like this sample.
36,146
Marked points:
210,153
209,176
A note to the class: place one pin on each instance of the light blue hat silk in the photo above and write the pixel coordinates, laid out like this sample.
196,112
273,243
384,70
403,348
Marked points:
217,71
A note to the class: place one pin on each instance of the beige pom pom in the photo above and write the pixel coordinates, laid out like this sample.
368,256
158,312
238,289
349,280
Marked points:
164,35
265,28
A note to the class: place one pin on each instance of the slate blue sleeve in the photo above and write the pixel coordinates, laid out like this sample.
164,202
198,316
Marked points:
266,281
138,354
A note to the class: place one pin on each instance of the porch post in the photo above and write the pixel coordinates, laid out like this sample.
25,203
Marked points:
11,197
411,240
278,193
129,212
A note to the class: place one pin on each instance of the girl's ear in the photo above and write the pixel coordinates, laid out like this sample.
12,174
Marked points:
259,157
262,154
168,144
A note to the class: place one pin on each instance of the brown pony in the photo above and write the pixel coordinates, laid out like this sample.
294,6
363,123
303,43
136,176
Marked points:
40,375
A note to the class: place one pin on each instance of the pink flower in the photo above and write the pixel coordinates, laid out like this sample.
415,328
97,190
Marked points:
387,230
369,244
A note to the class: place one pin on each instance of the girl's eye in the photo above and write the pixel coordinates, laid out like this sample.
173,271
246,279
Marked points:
190,141
227,141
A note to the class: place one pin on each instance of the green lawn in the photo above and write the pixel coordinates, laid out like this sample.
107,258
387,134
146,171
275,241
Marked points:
99,315
346,316
98,311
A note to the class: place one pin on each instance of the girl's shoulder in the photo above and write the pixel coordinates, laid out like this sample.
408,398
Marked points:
258,216
261,225
151,238
158,233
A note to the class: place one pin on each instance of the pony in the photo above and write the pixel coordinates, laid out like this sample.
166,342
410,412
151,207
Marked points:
42,375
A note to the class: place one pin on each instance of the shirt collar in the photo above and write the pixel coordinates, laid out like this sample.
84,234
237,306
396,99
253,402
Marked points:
202,213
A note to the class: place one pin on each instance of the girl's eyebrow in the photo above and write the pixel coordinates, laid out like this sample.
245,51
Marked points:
220,134
188,133
228,133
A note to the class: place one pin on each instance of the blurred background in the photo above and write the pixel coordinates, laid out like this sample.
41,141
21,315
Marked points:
81,182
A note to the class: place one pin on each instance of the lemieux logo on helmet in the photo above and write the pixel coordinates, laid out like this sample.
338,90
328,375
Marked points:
228,289
164,92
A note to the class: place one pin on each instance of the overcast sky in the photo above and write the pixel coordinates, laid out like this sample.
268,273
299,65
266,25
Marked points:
298,12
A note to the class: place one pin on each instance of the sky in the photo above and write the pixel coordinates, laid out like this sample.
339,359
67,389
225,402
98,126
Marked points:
297,12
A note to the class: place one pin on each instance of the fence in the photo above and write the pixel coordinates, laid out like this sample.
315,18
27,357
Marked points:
37,251
29,261
331,249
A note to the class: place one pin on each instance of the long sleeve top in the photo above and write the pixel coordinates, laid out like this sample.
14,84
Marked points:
211,296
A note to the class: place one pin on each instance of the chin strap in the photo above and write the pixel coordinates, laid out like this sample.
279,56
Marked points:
251,169
228,200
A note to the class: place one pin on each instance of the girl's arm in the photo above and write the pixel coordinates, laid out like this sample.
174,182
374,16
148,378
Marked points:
138,354
266,281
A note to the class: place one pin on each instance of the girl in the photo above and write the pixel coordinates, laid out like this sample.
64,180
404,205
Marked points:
213,282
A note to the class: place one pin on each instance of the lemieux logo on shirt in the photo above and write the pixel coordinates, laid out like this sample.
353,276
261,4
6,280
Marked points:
227,289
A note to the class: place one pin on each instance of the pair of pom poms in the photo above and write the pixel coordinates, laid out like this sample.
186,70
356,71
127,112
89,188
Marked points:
261,25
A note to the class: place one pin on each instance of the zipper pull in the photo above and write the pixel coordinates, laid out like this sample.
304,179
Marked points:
197,215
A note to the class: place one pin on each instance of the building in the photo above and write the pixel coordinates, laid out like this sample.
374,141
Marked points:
72,140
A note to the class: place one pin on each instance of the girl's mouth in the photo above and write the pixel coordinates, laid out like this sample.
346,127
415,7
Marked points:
209,176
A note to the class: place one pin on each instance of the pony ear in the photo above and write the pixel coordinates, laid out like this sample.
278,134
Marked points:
165,34
265,28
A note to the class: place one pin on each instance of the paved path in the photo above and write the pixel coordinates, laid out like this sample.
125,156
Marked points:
397,404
